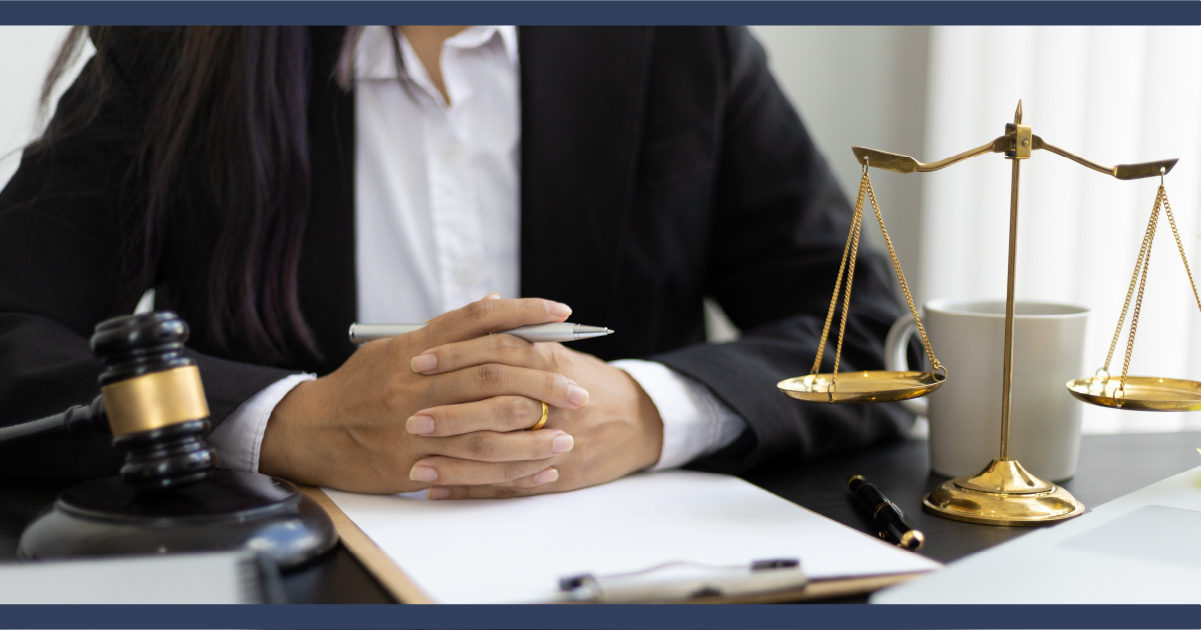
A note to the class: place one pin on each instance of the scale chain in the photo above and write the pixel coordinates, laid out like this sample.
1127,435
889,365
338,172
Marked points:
896,265
1138,265
1167,207
1141,266
855,223
1138,303
846,304
851,250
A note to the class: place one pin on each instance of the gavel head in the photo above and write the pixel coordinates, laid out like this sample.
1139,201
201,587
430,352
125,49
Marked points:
154,400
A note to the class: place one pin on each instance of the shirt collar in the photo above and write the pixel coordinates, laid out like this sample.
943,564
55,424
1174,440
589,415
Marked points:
376,59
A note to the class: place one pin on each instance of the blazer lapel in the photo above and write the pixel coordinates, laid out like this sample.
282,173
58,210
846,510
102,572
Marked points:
328,290
582,98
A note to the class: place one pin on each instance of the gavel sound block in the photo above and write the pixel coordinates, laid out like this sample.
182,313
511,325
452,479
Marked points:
169,497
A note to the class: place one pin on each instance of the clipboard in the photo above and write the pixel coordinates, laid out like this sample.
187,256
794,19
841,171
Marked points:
389,574
395,576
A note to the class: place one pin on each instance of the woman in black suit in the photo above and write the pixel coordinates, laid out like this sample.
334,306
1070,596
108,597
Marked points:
658,166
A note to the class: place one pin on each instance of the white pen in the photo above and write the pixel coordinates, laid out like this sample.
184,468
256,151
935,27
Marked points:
566,331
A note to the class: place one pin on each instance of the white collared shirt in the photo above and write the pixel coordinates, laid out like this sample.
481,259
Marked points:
437,220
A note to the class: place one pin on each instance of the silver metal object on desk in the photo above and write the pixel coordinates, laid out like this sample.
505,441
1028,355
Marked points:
565,331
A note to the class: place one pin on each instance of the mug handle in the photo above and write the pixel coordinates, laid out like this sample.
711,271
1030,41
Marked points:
896,347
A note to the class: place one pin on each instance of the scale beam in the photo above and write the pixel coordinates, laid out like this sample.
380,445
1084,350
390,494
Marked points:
1121,171
898,163
904,164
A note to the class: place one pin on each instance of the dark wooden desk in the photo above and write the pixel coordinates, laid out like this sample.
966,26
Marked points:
1110,466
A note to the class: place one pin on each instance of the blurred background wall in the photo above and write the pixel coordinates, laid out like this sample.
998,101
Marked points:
1113,94
26,53
862,86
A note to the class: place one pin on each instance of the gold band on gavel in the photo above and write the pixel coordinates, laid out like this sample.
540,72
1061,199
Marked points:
157,400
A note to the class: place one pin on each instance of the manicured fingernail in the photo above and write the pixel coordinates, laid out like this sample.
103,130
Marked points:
546,476
439,492
492,296
577,395
421,425
423,473
423,363
558,309
562,443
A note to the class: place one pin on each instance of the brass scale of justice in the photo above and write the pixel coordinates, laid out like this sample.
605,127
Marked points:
1003,492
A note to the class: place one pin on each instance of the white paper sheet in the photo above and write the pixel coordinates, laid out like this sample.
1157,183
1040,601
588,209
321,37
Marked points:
1119,553
515,550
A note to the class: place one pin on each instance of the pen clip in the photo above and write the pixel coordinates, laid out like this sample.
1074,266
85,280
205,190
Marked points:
784,563
705,580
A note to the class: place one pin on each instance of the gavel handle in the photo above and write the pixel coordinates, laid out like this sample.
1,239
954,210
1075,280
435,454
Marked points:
77,423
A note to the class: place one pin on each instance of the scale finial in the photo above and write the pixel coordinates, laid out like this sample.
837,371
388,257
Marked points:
1017,116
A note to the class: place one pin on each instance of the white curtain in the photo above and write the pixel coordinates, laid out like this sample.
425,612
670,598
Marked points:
1111,94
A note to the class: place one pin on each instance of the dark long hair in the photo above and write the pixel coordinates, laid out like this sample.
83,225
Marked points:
225,132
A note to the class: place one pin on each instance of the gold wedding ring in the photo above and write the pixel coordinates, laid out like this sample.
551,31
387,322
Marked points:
542,420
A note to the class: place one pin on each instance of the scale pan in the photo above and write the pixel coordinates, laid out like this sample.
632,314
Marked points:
862,387
1143,393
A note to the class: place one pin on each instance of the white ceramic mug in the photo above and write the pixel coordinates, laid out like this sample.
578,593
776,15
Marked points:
965,413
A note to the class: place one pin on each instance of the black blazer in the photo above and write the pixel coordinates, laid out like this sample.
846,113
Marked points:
660,165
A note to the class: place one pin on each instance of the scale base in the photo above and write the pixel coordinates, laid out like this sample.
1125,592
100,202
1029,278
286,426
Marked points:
229,511
1003,493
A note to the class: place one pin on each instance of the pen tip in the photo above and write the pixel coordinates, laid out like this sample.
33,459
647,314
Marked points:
609,331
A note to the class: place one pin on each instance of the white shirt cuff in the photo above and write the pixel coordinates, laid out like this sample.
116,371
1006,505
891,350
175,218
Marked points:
695,422
238,439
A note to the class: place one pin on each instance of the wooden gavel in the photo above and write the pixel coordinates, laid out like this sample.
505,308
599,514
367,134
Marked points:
151,401
169,496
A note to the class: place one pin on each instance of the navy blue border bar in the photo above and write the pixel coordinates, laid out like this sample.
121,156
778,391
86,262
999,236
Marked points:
682,12
663,617
658,12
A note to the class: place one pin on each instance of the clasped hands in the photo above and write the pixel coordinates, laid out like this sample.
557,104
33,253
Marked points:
446,408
